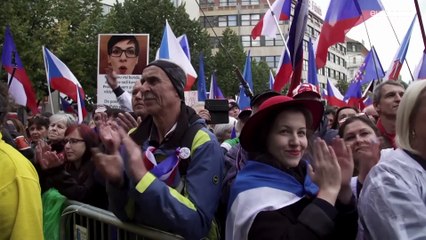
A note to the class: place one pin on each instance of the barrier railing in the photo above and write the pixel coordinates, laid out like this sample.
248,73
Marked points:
80,221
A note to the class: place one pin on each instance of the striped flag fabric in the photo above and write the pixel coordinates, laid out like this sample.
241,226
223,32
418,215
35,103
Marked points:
20,87
267,26
333,95
171,49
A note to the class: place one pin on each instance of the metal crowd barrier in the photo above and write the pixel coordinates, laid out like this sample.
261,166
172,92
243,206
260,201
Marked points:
80,221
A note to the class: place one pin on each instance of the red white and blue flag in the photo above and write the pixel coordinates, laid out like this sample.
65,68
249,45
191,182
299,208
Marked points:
166,169
333,95
312,68
420,72
171,49
295,43
267,26
61,78
243,99
284,71
215,92
342,16
393,72
20,87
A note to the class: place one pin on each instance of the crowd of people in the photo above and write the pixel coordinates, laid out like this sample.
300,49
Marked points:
285,168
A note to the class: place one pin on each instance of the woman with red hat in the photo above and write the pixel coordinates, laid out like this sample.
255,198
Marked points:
278,195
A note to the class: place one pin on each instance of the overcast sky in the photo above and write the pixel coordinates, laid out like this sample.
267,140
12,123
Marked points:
401,13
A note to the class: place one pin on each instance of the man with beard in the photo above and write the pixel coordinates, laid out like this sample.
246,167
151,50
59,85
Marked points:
386,98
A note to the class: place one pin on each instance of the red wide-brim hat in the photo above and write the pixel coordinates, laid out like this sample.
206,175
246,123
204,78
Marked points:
251,132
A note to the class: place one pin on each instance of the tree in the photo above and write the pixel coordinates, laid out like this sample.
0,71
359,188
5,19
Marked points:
68,28
232,54
149,16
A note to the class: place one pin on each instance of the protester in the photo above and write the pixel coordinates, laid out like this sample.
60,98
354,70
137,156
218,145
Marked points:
273,196
76,178
20,195
371,113
342,113
330,114
309,91
224,131
234,109
393,201
362,136
386,99
123,53
181,199
37,128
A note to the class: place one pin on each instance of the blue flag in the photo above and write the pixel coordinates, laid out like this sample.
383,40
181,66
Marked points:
312,68
243,100
202,95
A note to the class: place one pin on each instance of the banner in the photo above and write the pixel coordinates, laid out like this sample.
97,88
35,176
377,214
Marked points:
127,54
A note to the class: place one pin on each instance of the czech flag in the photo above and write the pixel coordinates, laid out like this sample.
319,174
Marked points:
267,26
20,87
171,49
62,79
393,72
333,95
342,15
284,71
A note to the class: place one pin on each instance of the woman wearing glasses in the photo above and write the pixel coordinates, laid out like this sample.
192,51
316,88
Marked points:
75,178
123,54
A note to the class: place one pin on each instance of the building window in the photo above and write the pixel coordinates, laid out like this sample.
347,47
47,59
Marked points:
305,45
256,59
247,41
305,65
277,41
249,19
227,21
354,60
227,3
272,61
249,2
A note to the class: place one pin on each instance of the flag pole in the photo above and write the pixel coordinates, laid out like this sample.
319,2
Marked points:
279,29
371,49
48,83
399,43
422,28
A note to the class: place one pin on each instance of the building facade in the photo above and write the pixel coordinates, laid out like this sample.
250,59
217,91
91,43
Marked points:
242,15
356,52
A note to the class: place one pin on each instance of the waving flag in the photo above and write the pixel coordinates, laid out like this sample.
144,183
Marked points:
295,42
333,95
61,78
373,68
81,107
393,72
184,43
312,68
342,15
284,71
420,72
65,104
215,92
267,26
201,88
243,100
271,80
354,93
20,87
171,49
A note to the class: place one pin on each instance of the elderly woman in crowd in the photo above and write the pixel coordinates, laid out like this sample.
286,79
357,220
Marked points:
362,136
273,196
392,203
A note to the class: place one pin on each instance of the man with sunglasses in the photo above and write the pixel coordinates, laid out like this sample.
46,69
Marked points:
123,53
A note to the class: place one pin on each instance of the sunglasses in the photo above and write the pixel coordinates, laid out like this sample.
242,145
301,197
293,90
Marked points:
361,114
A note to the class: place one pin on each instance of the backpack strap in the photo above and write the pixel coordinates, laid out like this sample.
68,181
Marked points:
187,142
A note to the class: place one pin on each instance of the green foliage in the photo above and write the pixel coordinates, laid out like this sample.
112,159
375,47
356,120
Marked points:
232,54
70,29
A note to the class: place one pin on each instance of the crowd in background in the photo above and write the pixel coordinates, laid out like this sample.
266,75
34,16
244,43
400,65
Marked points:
285,168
